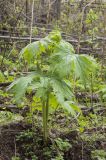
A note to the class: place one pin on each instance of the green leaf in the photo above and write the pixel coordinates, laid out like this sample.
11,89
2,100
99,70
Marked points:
64,48
83,66
71,107
61,90
43,87
66,105
19,86
64,61
30,51
60,60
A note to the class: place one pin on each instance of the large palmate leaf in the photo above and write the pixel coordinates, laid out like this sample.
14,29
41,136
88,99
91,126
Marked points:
64,96
41,85
71,107
44,87
60,59
65,62
64,48
61,90
20,85
83,66
32,50
60,65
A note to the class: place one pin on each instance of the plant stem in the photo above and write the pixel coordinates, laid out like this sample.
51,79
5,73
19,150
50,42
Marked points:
45,110
47,107
91,91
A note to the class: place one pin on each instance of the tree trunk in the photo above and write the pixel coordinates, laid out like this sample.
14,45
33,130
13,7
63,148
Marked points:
57,9
27,10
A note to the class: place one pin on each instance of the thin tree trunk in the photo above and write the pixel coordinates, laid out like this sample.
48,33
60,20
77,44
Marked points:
26,10
58,9
32,17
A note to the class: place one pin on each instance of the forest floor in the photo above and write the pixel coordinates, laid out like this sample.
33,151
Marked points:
68,138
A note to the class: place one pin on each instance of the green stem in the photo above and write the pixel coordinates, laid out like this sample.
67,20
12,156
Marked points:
45,118
47,107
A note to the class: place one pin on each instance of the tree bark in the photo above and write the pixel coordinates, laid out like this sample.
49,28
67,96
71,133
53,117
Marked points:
57,9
